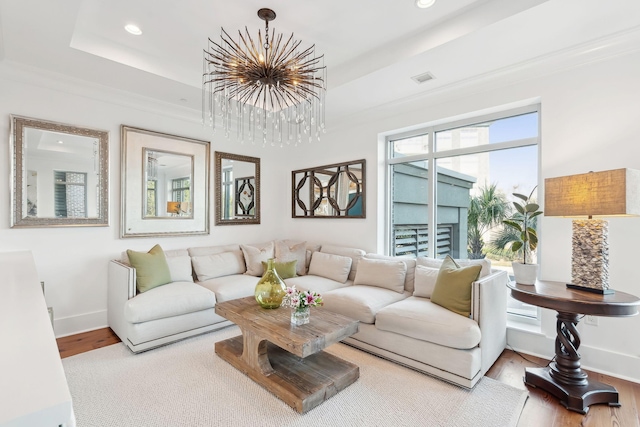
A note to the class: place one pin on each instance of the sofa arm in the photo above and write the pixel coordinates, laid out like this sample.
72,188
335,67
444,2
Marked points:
489,309
121,287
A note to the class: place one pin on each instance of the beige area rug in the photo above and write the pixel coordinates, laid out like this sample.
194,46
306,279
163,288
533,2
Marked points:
187,384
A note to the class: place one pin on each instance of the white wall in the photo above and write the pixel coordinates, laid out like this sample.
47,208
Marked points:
73,261
589,119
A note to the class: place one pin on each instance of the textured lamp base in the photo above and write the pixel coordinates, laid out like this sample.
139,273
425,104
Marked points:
590,256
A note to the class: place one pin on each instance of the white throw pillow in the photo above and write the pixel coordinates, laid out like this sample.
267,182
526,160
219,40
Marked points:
436,263
254,255
288,250
218,265
180,268
409,278
425,281
354,253
334,267
381,273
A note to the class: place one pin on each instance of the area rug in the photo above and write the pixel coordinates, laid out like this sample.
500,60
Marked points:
187,384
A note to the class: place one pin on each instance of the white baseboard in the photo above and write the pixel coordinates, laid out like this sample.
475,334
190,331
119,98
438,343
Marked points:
623,366
65,326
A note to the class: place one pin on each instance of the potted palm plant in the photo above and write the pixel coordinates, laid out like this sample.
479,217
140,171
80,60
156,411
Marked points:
525,238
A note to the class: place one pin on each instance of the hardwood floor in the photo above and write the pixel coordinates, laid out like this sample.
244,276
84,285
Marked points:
541,409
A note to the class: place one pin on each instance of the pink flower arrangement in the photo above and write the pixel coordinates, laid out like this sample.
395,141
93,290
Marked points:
299,300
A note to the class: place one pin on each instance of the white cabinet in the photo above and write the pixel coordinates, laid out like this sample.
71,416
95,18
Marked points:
33,389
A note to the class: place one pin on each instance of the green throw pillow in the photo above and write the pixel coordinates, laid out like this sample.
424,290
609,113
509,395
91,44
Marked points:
453,286
285,270
151,268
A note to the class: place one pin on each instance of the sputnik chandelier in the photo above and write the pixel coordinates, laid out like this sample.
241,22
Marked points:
272,91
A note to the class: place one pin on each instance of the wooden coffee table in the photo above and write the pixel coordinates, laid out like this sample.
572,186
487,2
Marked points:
285,359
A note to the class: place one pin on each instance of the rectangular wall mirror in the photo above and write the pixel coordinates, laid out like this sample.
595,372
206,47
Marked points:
331,191
237,189
60,174
165,186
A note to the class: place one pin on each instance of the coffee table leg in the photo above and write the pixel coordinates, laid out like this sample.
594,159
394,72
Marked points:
254,352
564,378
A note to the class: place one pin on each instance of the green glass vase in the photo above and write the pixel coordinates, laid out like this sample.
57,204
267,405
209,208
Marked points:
271,288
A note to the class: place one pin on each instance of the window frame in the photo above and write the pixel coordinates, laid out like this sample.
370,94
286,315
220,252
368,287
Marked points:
431,156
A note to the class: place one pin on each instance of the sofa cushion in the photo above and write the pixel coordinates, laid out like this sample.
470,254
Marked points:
330,266
315,283
231,287
212,250
353,253
425,281
360,302
409,262
151,268
421,319
254,255
284,269
289,250
170,300
436,263
383,273
453,286
179,263
218,265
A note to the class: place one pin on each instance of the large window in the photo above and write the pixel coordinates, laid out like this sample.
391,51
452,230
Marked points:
456,181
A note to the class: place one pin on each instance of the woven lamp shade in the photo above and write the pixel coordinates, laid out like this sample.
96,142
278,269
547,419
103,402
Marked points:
609,193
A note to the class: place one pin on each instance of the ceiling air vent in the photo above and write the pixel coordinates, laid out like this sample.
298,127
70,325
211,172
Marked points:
421,78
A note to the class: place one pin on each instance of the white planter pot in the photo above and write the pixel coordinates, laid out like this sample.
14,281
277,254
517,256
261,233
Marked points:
525,274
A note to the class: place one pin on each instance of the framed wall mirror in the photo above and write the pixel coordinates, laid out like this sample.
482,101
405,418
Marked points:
331,191
165,186
237,184
60,174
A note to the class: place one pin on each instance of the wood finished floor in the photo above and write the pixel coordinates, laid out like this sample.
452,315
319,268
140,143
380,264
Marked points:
541,409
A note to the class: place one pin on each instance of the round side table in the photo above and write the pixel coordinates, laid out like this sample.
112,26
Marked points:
564,378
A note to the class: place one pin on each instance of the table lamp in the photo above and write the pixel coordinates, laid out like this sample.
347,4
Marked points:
593,194
173,208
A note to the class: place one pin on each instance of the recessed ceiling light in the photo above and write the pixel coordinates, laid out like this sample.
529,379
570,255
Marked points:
60,142
133,29
423,4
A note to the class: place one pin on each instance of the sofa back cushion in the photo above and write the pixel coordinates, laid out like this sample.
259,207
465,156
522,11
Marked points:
330,266
382,273
353,253
425,281
254,255
179,263
409,262
218,265
212,250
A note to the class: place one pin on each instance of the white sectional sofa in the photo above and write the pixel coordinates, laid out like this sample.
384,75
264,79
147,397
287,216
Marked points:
389,296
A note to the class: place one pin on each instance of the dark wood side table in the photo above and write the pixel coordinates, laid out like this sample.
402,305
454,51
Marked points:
564,378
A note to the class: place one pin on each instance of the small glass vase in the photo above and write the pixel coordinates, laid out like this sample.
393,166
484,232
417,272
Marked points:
270,288
300,316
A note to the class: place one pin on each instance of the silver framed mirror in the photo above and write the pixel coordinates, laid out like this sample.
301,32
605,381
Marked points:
330,191
237,189
60,174
165,184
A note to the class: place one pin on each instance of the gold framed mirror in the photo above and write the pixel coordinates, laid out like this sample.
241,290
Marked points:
330,191
60,174
237,184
